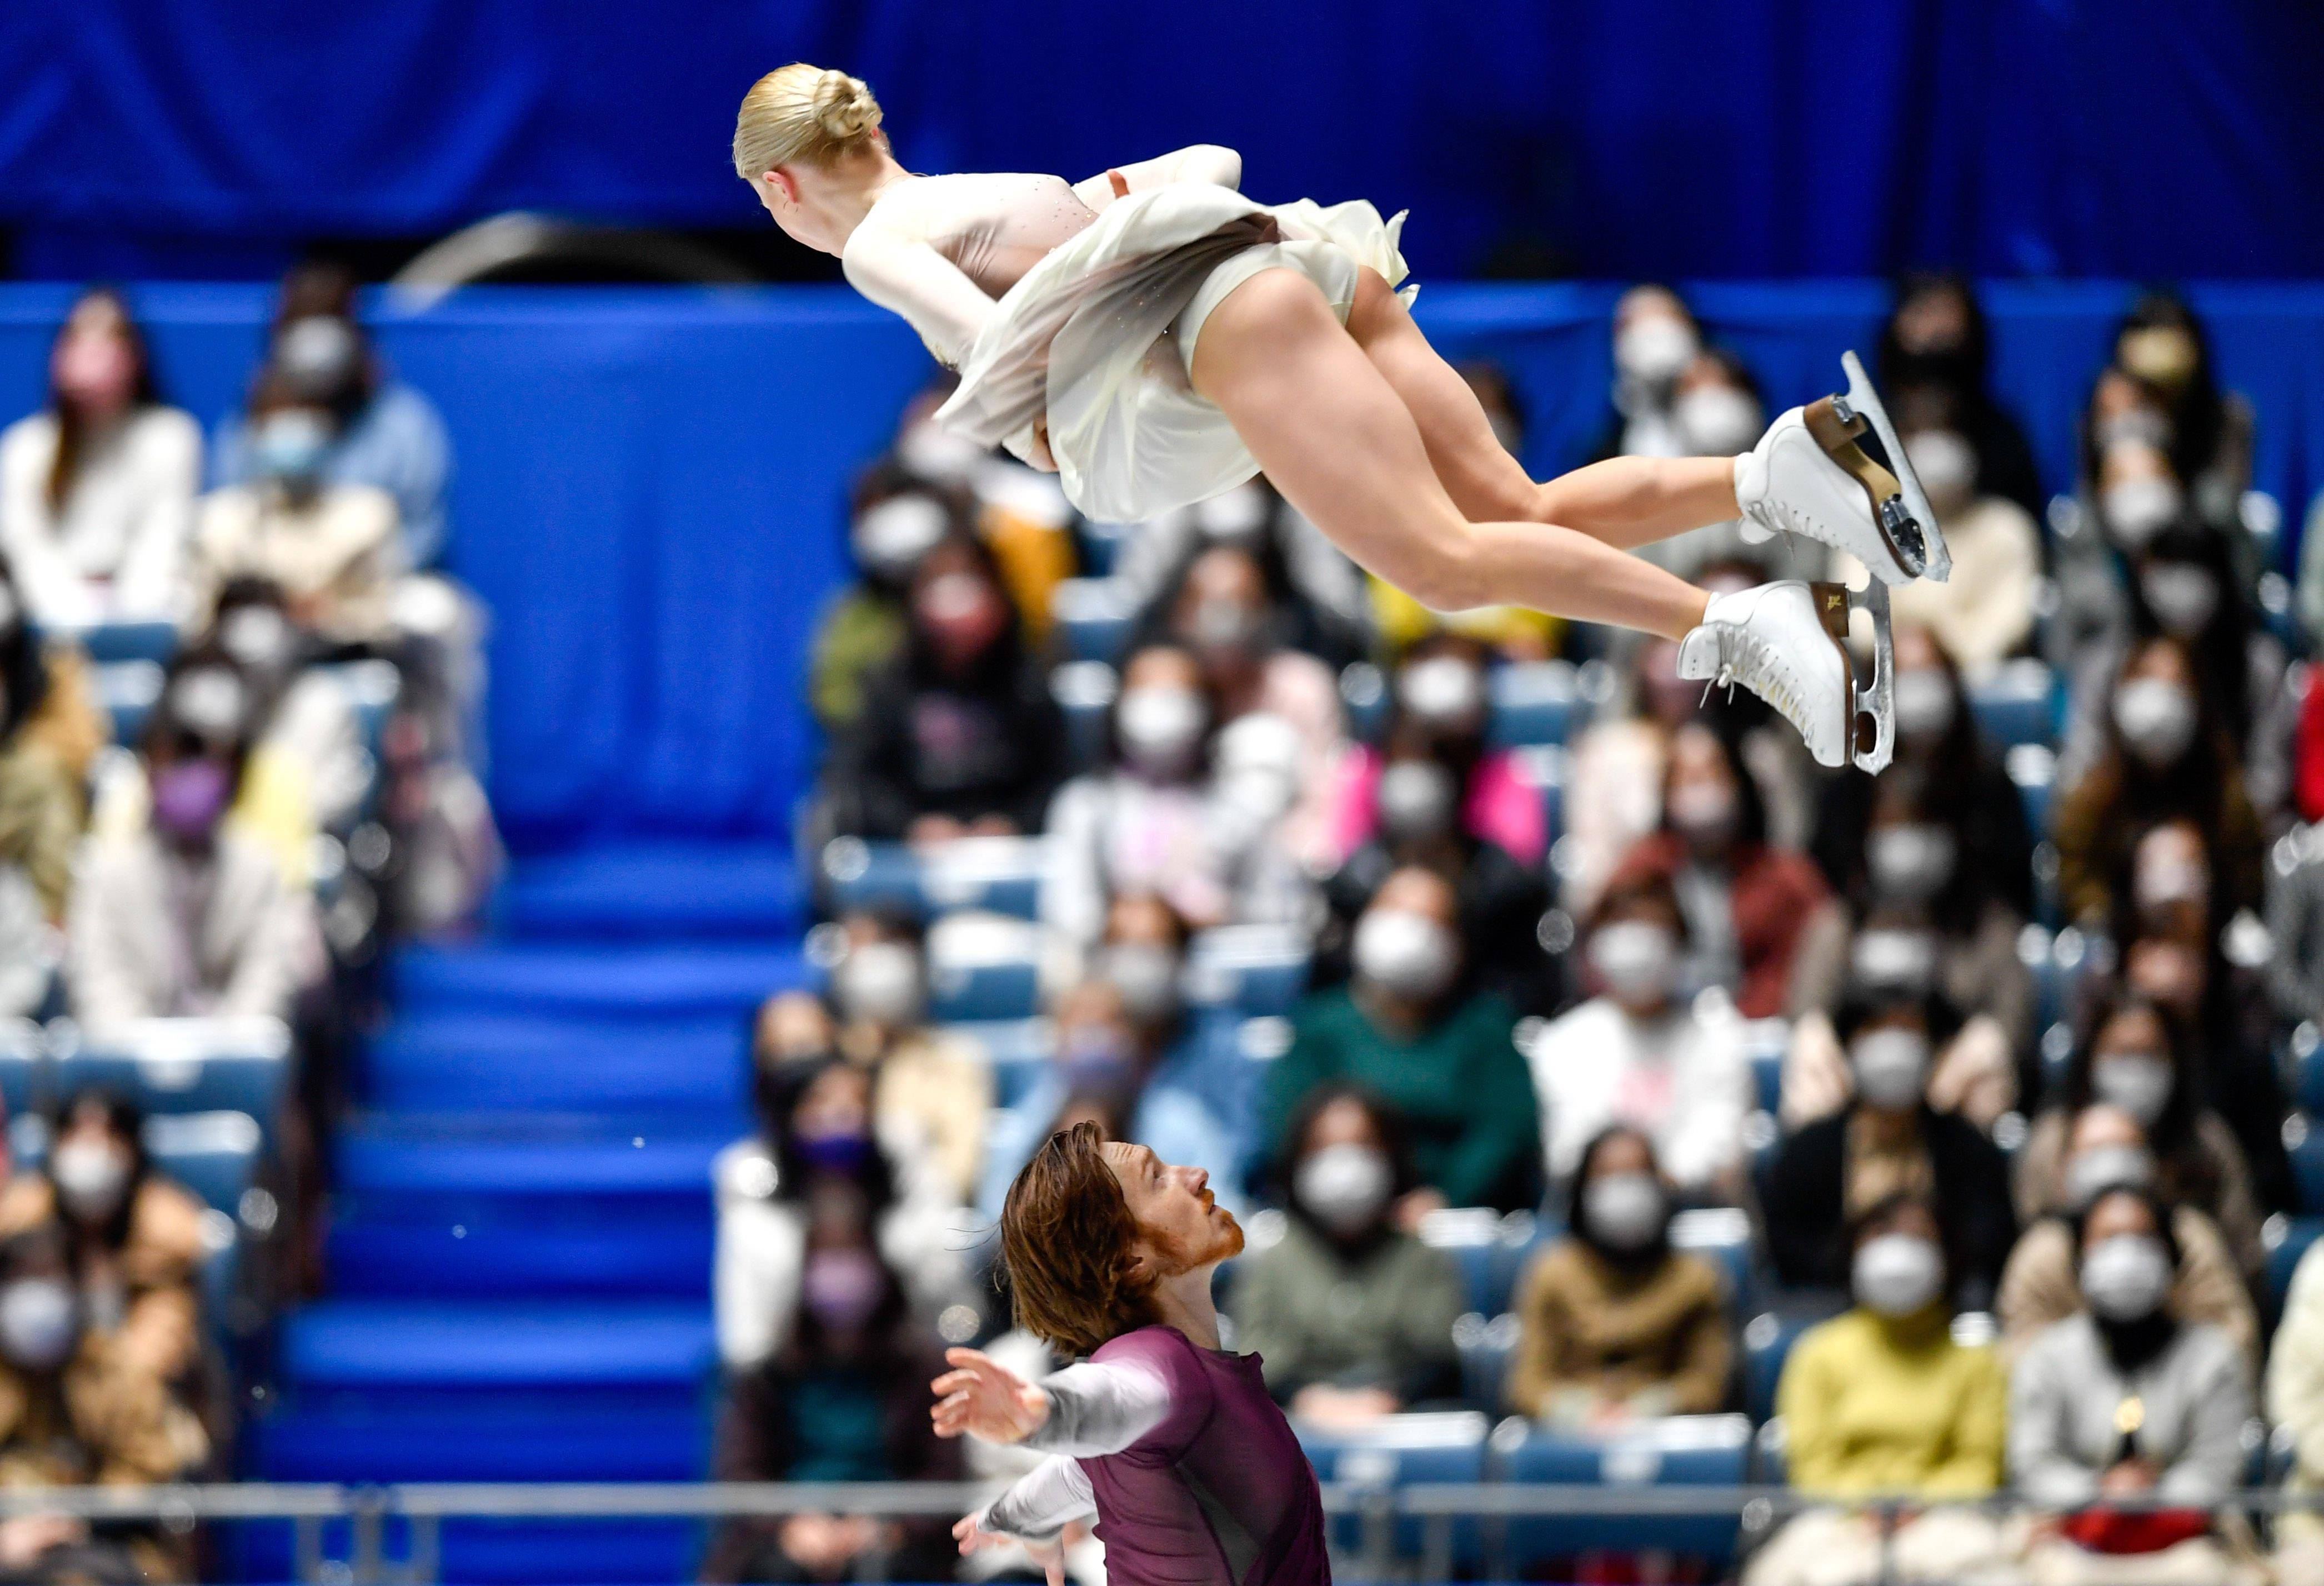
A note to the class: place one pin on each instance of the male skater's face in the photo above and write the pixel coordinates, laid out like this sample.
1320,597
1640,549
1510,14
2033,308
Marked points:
1179,1220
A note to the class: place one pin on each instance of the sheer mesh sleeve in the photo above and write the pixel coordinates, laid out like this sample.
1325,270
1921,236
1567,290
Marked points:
1101,1408
906,275
1043,1501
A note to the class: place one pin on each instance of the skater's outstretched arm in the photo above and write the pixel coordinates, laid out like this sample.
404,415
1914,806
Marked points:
1094,1408
1209,162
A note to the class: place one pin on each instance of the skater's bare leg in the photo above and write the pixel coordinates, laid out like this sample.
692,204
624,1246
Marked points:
1623,500
1338,440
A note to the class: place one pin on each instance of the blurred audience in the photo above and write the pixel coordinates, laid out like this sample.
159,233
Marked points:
1352,1315
1887,1139
1984,614
1756,915
1409,1029
1316,598
96,490
1639,1055
379,432
1883,1401
2106,1149
1614,1325
2134,1058
2126,1399
957,736
897,519
48,734
1936,357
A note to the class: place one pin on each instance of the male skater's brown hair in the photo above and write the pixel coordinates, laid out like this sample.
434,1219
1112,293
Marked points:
1067,1238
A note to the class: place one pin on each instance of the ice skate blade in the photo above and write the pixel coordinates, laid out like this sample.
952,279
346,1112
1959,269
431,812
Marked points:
1870,738
1910,521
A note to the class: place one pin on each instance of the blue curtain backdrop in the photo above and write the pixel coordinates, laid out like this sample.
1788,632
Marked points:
650,484
1604,138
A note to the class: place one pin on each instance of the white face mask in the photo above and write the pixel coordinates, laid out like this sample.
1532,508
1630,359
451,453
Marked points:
1652,348
1408,955
1701,810
880,982
2139,1082
1947,465
1891,960
2104,1167
891,538
1442,690
1160,725
1897,1274
90,1176
1891,1067
1909,862
1924,703
2138,509
1637,959
2156,718
1716,420
2169,878
257,636
2125,1277
937,454
1343,1187
2183,595
1146,973
1626,1211
39,1323
1416,800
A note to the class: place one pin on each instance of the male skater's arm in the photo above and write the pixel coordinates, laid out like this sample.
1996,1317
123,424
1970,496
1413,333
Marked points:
1042,1502
1096,1408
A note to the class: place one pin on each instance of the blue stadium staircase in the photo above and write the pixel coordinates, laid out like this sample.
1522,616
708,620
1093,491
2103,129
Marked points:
521,1245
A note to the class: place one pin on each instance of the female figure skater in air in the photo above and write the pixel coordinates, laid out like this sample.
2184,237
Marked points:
1170,1444
1156,338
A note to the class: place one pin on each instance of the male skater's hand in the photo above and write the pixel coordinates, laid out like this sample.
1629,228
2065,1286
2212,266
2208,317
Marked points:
981,1396
1050,1554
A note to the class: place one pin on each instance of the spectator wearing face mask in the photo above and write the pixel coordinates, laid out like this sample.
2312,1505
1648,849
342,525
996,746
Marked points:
1409,1029
1353,1316
2130,496
1887,1139
897,520
2161,345
2166,756
48,734
1656,339
1716,410
1755,914
302,717
820,1151
1098,1053
2105,1149
1613,1324
934,1085
1984,614
2127,1399
1221,612
844,1398
1639,1055
1880,1401
134,1240
383,434
74,1413
333,549
183,909
1941,750
2133,1056
1317,598
2295,1404
96,490
1922,922
1933,354
958,735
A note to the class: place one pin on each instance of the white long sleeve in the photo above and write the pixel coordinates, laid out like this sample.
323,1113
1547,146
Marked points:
1099,1408
1043,1501
908,275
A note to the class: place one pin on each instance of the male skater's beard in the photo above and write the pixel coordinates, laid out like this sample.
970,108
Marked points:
1216,1242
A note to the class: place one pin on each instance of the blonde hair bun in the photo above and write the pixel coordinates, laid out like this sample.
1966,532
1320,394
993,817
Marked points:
801,112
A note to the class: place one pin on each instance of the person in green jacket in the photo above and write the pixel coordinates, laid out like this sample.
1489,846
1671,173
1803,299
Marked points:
1353,1316
1409,1028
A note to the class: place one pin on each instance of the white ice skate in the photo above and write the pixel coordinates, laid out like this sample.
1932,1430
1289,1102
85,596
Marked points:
1788,644
1808,476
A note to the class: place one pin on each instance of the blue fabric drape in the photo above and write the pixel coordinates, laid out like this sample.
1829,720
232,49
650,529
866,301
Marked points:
650,484
1605,138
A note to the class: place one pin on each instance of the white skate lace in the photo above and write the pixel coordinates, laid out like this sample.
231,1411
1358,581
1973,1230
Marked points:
1747,659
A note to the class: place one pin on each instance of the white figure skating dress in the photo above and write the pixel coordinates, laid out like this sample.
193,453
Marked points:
1083,302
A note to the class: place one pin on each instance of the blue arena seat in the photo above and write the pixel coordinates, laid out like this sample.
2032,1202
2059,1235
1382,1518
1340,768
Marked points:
2303,1142
1532,703
1017,1049
1002,874
1399,1451
213,1154
2306,1064
1486,1346
1767,1340
1764,1040
1093,618
2034,769
2018,704
1000,988
183,1065
1700,1451
1492,1249
1084,691
109,644
128,690
1254,969
1363,696
2287,1240
23,1067
1721,1235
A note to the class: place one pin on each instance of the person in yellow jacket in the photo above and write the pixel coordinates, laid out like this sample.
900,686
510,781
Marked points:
1882,1402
